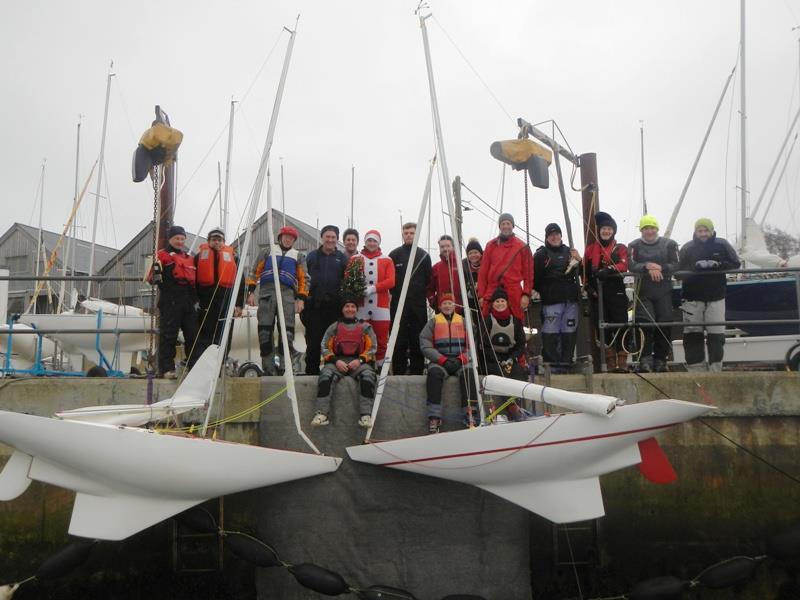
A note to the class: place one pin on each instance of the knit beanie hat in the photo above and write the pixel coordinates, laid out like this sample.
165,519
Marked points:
704,222
327,228
505,217
604,219
552,228
474,244
446,296
499,292
175,230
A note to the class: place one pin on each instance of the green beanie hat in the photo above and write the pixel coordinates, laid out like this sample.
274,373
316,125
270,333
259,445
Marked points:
704,222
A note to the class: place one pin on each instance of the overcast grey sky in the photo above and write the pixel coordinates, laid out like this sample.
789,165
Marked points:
357,94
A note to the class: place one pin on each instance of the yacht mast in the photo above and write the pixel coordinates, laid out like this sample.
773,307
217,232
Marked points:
99,178
69,251
641,138
457,246
743,126
39,240
224,222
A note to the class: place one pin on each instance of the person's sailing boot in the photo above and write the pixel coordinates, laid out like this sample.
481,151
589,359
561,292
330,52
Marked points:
645,365
611,360
268,365
622,362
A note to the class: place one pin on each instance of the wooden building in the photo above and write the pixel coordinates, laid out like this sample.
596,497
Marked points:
18,248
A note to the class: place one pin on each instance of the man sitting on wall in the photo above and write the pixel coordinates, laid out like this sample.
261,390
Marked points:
348,350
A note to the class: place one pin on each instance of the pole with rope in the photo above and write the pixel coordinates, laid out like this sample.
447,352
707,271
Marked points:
255,197
451,209
387,361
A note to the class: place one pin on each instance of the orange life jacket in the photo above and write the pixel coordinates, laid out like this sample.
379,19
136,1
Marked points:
215,266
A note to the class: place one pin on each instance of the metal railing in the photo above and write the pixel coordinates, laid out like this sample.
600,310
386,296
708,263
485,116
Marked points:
680,275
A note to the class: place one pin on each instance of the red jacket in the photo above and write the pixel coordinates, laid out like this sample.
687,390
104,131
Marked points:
508,263
444,278
614,256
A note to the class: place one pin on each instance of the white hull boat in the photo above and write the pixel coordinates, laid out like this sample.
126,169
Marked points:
548,465
85,344
127,479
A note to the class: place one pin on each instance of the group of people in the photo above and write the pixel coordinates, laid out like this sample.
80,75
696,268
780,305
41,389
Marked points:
347,334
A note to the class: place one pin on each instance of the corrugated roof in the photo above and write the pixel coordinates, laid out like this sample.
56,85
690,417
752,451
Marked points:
102,254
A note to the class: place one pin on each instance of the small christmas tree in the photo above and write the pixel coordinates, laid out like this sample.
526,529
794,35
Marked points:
353,284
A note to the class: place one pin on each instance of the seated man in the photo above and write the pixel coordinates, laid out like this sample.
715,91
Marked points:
444,343
504,343
348,349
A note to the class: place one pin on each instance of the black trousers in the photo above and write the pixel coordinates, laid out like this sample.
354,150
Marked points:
176,312
212,312
657,340
317,318
407,358
615,310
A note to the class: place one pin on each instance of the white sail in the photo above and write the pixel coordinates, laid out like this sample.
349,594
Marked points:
193,392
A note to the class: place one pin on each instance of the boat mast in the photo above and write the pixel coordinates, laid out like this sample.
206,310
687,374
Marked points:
254,201
743,124
352,193
219,195
71,241
224,222
457,246
99,178
641,137
676,210
387,363
283,196
39,240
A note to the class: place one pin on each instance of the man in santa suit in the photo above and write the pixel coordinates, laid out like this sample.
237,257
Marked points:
379,279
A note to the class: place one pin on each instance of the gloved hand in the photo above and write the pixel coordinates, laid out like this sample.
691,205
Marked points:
463,358
452,365
506,366
369,290
707,264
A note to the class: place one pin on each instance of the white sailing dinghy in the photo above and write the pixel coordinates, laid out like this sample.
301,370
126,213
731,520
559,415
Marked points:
126,478
549,465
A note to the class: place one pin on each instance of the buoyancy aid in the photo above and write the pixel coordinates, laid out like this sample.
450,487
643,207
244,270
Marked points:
216,266
449,335
184,272
502,336
349,339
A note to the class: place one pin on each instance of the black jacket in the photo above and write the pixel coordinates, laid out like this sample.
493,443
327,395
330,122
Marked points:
417,286
706,288
550,279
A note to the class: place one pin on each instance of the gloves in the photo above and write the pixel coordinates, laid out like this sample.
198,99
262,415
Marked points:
707,264
452,366
463,358
369,290
506,365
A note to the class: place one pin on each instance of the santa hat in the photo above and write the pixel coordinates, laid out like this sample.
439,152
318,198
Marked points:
373,234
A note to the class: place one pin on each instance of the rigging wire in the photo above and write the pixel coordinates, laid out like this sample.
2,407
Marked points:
238,106
729,439
474,70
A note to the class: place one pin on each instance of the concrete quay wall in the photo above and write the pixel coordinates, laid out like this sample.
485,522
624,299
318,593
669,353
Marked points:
432,537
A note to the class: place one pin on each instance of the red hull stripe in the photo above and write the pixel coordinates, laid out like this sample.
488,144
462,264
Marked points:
527,446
